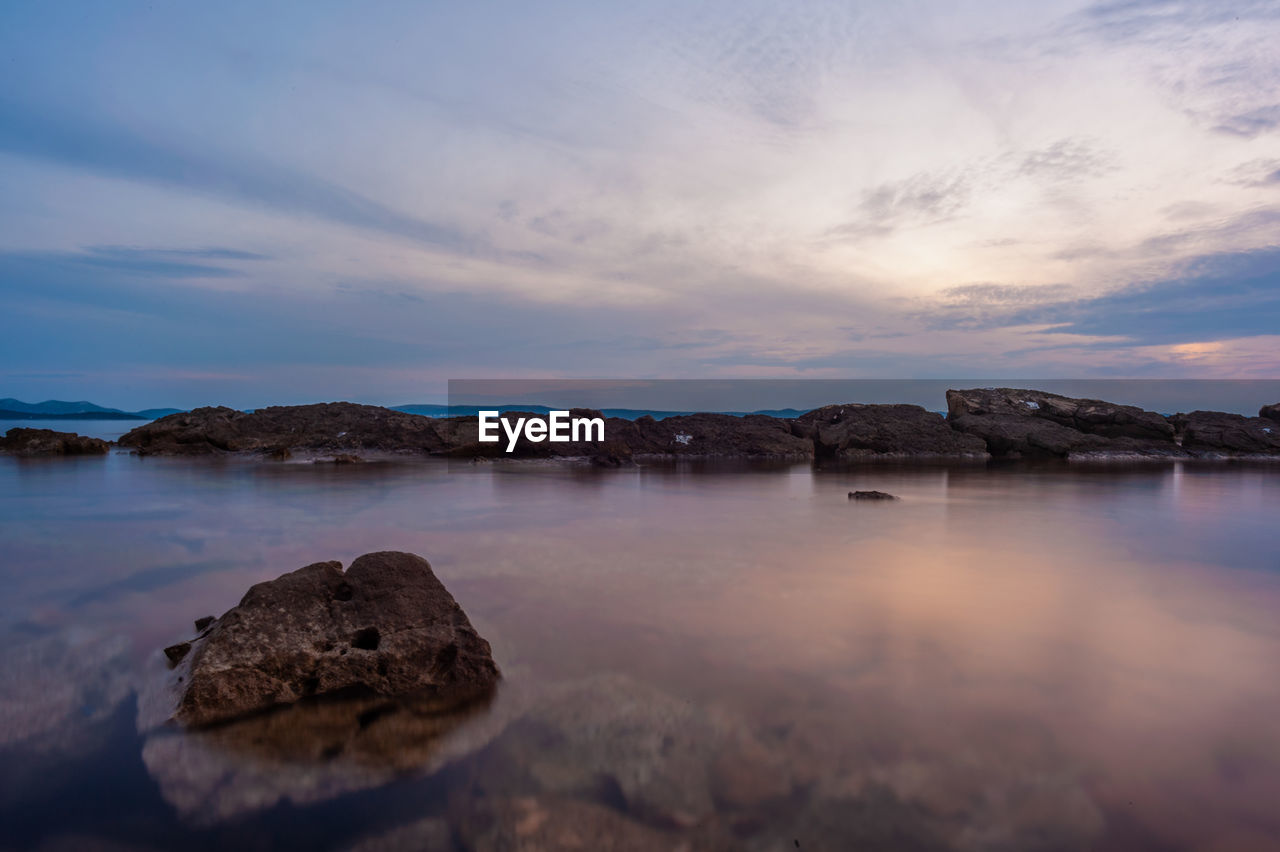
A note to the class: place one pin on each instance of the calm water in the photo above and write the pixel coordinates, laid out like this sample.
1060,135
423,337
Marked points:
725,657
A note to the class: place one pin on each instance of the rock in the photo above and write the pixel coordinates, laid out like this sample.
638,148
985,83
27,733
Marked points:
1270,412
1033,423
1217,432
175,653
331,426
710,435
553,824
46,442
203,622
1090,416
871,495
386,627
859,432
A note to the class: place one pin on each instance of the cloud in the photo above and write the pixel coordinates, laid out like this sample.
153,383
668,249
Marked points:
1066,160
1215,297
106,148
922,199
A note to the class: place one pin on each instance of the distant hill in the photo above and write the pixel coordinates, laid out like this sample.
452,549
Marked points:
56,409
622,413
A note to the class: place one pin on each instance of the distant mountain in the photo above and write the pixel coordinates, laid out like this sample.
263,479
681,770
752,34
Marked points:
56,409
622,413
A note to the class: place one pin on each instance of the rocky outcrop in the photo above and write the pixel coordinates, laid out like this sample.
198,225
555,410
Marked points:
333,427
1029,423
983,422
1220,433
857,432
385,627
1270,412
709,435
871,495
46,442
1089,416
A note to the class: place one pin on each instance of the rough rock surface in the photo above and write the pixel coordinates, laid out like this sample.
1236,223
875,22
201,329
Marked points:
330,426
1016,422
864,432
46,442
1217,432
712,435
1090,416
385,627
1270,412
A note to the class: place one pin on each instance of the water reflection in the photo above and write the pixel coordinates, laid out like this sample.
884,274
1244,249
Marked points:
1016,658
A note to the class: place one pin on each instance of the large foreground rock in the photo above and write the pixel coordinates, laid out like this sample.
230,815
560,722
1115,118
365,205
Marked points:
868,432
46,442
1018,422
385,627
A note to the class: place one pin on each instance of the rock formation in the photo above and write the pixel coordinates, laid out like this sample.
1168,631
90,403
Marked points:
386,627
1270,412
1220,433
857,432
335,427
980,422
1022,423
46,442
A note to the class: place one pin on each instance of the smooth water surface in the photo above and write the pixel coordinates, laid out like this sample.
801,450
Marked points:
729,656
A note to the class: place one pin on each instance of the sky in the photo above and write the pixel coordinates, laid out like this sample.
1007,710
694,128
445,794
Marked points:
246,203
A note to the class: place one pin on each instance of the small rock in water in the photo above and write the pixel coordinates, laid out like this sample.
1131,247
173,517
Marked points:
385,627
871,495
175,653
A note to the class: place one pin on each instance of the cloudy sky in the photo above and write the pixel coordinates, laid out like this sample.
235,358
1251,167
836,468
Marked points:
215,203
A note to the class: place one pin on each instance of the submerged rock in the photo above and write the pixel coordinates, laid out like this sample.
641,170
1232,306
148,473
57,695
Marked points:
46,442
385,627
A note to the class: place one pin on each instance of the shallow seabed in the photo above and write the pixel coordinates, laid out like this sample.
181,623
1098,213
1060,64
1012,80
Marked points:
721,656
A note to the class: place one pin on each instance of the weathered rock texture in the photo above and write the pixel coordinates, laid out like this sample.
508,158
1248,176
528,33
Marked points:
1005,422
863,432
1016,422
46,442
1216,432
329,426
385,627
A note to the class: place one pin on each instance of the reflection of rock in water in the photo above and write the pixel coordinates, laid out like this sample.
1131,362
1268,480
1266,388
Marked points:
310,752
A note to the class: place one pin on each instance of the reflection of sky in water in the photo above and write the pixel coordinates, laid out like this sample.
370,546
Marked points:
995,629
